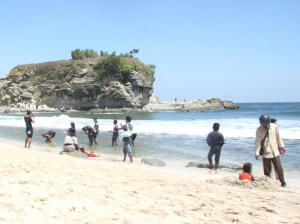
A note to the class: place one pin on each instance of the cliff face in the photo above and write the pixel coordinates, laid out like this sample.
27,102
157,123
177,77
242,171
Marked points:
74,84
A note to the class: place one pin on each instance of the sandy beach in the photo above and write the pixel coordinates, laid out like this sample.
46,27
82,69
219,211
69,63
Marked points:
43,187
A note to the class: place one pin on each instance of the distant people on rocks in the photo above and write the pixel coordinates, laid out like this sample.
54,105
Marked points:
29,129
96,130
90,132
269,145
247,172
48,136
215,140
115,133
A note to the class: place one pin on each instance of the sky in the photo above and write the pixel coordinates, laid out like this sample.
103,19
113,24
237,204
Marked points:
244,51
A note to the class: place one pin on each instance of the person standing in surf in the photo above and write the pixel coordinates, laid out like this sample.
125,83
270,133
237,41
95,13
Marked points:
215,140
269,145
29,129
96,130
115,133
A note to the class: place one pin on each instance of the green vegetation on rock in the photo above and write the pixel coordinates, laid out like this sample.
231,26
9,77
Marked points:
87,53
119,67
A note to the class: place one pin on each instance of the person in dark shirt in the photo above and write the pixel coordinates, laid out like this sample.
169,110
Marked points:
29,129
215,140
89,131
115,133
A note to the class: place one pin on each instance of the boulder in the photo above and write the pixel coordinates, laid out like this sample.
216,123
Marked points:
201,165
153,162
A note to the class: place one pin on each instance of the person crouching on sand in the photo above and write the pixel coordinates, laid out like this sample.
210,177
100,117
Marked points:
215,140
127,144
29,129
247,172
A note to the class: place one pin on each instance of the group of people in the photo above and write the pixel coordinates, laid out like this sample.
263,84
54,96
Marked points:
268,144
71,141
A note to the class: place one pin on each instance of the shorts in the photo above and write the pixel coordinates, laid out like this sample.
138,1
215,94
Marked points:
29,132
127,148
115,137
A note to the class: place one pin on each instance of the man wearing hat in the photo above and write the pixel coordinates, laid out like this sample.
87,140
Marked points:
269,145
215,140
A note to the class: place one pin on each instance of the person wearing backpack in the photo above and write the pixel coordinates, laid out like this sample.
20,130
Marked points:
269,145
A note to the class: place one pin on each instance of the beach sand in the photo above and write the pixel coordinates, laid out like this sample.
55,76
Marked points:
43,187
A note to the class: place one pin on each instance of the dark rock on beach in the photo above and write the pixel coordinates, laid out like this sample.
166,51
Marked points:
153,162
201,165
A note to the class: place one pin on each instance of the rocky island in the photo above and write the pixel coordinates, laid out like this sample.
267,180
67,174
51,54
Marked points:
100,83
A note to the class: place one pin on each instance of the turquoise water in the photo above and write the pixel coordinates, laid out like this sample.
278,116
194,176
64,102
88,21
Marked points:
175,135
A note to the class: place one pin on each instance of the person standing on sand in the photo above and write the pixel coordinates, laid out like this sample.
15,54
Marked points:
215,140
29,129
269,144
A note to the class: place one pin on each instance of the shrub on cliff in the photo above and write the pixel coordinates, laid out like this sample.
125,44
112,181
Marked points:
117,67
87,53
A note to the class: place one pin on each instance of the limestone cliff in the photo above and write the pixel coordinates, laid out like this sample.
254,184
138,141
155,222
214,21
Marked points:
74,84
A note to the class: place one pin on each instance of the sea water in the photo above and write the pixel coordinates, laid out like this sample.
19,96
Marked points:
174,136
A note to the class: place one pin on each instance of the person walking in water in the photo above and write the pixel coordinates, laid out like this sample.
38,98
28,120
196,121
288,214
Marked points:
269,145
96,130
215,140
115,133
29,129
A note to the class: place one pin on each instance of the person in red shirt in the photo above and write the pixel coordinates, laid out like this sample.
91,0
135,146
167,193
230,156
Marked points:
247,172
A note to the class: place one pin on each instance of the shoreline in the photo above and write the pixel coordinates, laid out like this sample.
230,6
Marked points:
50,188
172,165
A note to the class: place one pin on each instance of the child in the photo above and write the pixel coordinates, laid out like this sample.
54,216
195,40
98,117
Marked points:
247,172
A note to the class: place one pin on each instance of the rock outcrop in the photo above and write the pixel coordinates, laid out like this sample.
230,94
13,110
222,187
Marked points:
73,84
189,105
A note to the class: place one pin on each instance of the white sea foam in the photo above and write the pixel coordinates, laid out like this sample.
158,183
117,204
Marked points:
234,128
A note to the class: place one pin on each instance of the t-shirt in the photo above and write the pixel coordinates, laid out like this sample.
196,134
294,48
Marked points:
28,122
71,140
245,176
215,138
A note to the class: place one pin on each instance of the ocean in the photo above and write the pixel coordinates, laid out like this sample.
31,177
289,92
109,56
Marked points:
175,137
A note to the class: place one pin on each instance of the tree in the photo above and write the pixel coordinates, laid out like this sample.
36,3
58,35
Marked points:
87,53
133,52
77,54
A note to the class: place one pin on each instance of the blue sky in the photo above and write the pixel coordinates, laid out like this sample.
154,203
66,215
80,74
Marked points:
245,51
